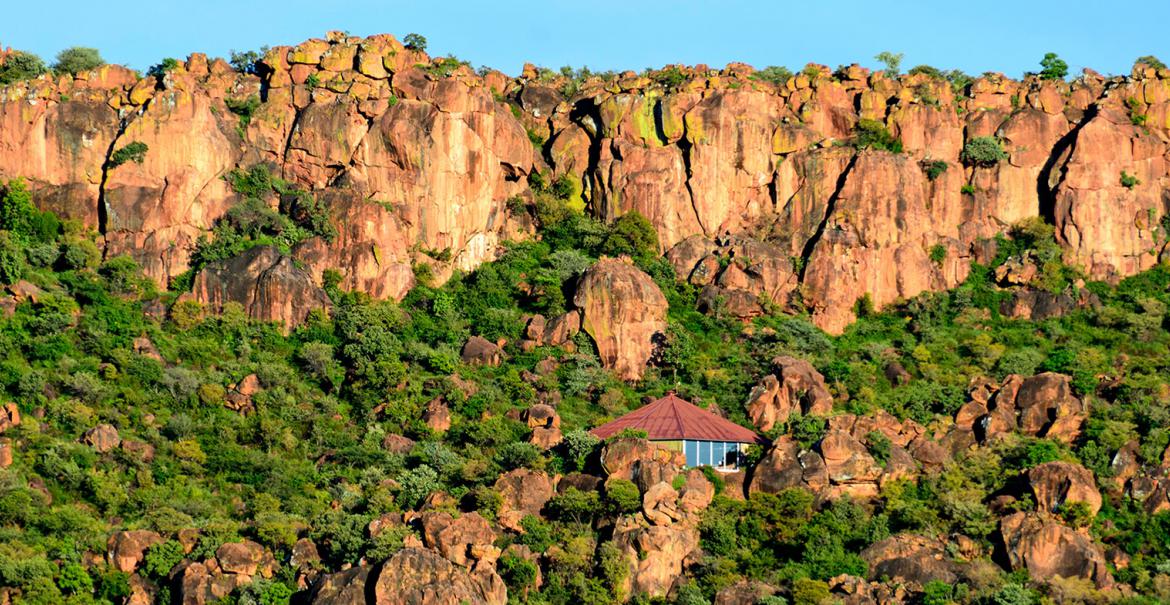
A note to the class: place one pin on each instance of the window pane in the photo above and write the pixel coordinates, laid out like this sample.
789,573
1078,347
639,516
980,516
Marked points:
692,450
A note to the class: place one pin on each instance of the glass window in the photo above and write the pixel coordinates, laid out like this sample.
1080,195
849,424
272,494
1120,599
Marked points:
705,452
692,451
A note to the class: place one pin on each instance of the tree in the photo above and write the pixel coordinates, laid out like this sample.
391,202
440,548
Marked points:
19,66
415,41
1054,68
892,61
76,59
246,62
983,151
631,234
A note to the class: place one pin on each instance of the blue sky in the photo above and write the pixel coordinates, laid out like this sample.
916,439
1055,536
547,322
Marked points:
605,34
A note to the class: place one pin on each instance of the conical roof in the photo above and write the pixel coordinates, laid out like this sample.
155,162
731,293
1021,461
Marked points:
672,418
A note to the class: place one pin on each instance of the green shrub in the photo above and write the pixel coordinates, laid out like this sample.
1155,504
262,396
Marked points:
938,253
809,592
934,168
892,61
873,134
159,70
928,71
416,484
669,77
774,74
983,151
414,41
1129,181
631,234
1152,61
575,506
134,151
20,66
1053,67
77,59
879,447
161,558
12,265
622,497
248,62
21,217
967,189
518,573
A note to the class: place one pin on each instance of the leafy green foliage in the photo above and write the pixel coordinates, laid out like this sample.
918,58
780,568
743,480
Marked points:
76,59
774,74
1053,67
1129,181
892,61
20,66
983,151
160,69
873,134
134,151
934,168
248,62
414,41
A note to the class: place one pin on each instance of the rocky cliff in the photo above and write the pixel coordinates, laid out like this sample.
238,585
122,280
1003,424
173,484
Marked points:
760,192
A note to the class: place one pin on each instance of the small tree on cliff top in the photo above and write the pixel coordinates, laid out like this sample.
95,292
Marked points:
76,59
415,42
1054,68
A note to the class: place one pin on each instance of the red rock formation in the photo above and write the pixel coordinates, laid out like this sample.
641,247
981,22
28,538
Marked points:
1057,483
415,576
416,165
1048,549
268,285
624,312
796,386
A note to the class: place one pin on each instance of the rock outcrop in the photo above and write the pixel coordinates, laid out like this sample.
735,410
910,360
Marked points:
794,386
268,284
1048,549
416,576
624,312
753,186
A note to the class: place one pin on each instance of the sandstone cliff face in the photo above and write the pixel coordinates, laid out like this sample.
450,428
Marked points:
757,183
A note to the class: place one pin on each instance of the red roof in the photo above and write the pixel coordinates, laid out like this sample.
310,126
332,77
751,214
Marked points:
672,418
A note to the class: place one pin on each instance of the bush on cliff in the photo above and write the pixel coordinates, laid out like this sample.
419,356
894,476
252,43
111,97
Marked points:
983,151
77,59
19,66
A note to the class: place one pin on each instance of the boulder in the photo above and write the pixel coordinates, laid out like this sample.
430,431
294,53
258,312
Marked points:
437,415
641,461
415,576
346,587
466,540
910,558
102,438
5,452
9,417
1047,549
479,351
240,557
524,492
126,549
1057,483
268,284
744,592
795,386
624,312
654,554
